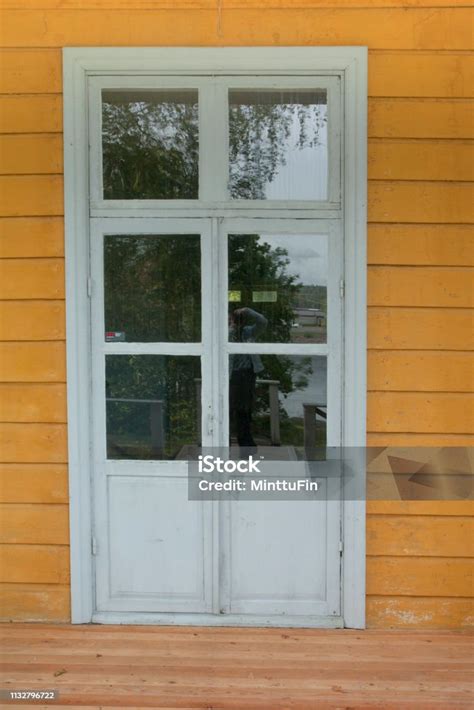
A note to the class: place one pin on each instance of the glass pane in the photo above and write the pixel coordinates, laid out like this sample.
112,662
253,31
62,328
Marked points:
152,288
153,405
278,288
150,145
277,400
278,144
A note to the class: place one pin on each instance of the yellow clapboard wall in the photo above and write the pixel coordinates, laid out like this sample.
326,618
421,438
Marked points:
421,257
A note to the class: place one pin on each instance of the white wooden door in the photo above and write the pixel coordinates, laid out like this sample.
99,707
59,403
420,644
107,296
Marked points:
281,558
162,386
151,290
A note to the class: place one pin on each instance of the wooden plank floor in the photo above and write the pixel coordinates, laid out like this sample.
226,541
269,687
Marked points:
239,669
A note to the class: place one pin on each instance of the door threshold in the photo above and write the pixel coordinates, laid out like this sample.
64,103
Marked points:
179,619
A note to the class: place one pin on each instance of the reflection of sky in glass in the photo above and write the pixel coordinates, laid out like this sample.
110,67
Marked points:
278,144
305,173
308,255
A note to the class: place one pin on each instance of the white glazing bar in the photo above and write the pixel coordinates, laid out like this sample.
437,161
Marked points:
269,225
152,348
144,469
194,209
277,349
213,142
143,225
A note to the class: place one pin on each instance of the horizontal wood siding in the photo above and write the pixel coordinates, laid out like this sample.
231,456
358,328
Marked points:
32,320
33,443
33,362
379,28
35,602
33,483
420,325
34,563
416,536
229,4
34,524
39,237
415,370
32,402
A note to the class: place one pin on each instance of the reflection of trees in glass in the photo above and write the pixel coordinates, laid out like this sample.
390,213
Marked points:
153,287
257,266
150,148
150,142
254,265
291,372
260,134
168,378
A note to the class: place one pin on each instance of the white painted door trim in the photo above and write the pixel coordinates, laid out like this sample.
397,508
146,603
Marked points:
80,63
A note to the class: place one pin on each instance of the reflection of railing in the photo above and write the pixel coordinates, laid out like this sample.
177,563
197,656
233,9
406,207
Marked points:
157,429
272,401
309,422
310,412
274,409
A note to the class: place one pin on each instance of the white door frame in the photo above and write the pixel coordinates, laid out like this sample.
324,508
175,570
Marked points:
79,63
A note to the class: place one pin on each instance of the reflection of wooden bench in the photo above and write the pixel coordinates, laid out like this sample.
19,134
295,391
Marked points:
157,429
310,411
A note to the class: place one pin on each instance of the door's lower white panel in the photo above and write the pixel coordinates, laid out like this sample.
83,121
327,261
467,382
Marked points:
284,558
159,551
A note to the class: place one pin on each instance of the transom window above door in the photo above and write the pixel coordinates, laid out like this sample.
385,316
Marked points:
177,142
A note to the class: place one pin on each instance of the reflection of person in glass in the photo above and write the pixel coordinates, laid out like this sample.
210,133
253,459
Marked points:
244,327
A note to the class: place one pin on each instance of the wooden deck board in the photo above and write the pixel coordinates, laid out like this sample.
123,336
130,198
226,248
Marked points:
238,669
